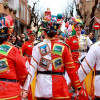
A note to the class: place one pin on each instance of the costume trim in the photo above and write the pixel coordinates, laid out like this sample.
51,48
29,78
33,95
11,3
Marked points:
4,65
76,81
71,67
44,49
61,97
44,63
88,64
5,49
83,70
35,60
9,98
77,84
57,63
58,49
69,63
32,66
22,76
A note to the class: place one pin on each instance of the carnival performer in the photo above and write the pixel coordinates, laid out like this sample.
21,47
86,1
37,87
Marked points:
78,44
92,58
50,58
13,71
27,53
28,45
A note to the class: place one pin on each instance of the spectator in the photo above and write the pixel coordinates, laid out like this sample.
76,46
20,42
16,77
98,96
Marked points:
13,40
91,36
99,38
22,38
18,40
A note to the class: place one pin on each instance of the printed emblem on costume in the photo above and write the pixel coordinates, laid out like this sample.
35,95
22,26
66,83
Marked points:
29,45
58,49
4,49
74,41
44,63
84,40
58,63
44,49
3,65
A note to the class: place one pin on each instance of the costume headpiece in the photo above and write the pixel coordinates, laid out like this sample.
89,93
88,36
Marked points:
51,22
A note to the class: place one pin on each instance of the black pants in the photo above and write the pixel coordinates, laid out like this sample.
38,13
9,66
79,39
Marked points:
97,98
42,99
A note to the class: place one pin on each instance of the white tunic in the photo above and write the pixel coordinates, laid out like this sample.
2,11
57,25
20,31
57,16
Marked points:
42,80
92,58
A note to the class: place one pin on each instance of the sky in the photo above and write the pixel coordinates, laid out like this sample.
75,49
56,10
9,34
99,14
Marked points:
56,6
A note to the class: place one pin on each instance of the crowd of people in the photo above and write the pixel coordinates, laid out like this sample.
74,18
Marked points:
48,68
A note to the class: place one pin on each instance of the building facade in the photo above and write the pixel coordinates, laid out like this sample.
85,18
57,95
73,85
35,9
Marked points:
85,7
19,10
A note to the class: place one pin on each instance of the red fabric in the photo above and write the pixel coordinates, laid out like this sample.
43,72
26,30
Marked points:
82,95
61,99
17,71
59,86
74,45
29,31
9,89
77,65
8,21
18,98
27,48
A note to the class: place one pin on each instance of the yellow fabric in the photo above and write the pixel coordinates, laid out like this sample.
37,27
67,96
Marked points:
33,87
89,83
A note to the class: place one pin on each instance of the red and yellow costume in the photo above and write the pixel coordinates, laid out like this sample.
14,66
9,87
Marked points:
13,72
50,58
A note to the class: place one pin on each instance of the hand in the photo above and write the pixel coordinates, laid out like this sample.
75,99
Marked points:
24,94
77,93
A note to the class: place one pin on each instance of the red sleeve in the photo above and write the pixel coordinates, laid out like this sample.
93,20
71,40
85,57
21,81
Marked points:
20,67
70,68
23,48
68,41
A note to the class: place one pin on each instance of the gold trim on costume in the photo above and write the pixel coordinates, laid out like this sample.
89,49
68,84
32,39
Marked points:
77,84
69,63
78,87
71,67
22,76
9,98
88,64
83,70
76,81
60,97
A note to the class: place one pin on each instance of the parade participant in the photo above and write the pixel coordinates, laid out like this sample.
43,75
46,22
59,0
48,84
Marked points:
92,58
28,45
27,52
50,58
13,71
78,44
